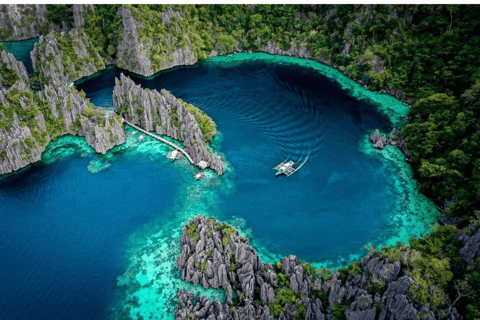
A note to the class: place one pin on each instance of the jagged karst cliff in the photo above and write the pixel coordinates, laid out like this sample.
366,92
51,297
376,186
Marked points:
163,113
65,57
29,121
79,12
148,55
215,255
21,22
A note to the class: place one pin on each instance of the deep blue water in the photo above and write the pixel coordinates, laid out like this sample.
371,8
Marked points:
63,228
266,113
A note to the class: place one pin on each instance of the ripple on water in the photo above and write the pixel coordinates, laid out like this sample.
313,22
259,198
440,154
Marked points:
267,108
409,214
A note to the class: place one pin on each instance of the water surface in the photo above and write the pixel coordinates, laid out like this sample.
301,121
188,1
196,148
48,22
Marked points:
21,51
75,221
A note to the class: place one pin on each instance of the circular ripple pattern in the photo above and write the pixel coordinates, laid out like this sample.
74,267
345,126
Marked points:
75,221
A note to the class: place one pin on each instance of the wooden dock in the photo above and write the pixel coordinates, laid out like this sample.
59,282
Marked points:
161,139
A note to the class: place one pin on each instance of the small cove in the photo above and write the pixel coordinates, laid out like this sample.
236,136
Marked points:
267,108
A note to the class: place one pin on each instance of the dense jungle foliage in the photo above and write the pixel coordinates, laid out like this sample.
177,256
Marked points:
424,54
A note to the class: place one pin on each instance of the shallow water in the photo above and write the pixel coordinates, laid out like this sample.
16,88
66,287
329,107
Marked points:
77,220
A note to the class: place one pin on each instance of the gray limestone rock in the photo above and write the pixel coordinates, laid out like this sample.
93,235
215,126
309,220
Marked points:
133,52
163,113
57,62
471,249
24,137
399,141
378,141
79,13
22,21
299,52
7,60
257,282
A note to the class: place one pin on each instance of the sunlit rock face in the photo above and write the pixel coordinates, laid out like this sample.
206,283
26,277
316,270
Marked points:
163,113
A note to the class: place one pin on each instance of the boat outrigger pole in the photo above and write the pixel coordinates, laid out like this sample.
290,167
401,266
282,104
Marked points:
287,168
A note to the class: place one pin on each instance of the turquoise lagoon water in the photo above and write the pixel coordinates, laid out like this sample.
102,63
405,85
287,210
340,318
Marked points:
83,234
21,50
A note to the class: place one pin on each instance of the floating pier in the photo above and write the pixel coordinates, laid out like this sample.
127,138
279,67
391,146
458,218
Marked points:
163,140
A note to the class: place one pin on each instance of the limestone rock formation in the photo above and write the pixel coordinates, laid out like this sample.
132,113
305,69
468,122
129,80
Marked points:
138,54
22,21
163,113
65,57
471,249
299,52
29,121
215,255
82,118
12,70
378,141
399,141
79,13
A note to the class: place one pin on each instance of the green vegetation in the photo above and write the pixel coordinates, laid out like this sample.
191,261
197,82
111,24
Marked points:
424,53
192,231
207,125
9,76
57,13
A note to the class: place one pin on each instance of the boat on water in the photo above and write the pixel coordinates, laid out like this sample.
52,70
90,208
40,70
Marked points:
284,167
175,154
70,84
141,137
287,168
199,176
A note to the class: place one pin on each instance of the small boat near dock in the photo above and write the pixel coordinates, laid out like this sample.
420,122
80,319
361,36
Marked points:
174,155
199,176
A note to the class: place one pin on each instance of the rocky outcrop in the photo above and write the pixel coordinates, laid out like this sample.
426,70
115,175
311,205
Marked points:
65,57
215,255
445,219
163,113
471,248
396,139
84,119
11,70
146,56
299,52
22,21
378,141
29,121
79,11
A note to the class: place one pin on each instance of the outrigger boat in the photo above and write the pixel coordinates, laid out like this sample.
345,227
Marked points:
199,176
286,167
175,154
